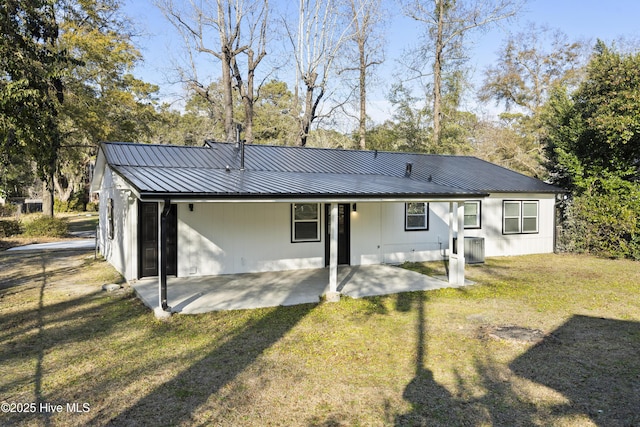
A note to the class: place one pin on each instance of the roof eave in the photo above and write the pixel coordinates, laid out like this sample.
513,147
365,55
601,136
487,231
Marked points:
320,198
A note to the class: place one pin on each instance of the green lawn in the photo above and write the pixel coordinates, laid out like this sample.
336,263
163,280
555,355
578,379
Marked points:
429,358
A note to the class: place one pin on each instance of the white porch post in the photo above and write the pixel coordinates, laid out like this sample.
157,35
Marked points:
453,260
456,226
461,260
333,295
333,250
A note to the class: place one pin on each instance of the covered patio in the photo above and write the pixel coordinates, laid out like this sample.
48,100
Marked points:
255,290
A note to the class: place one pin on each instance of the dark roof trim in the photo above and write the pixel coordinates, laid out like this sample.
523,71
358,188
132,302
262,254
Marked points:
324,196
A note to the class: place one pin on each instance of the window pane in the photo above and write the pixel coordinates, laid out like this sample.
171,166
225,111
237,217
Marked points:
511,209
306,211
416,221
471,214
470,208
529,225
530,209
470,220
415,208
512,225
306,230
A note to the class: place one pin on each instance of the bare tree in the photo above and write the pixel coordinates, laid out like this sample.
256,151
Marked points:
530,64
315,42
255,49
446,23
366,17
214,28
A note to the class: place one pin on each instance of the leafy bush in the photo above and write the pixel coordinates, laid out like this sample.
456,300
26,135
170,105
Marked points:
604,220
92,207
7,210
9,227
76,203
46,227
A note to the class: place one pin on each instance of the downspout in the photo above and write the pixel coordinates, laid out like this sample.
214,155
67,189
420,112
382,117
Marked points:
163,254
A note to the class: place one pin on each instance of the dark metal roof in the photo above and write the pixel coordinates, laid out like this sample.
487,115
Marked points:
213,171
199,182
465,172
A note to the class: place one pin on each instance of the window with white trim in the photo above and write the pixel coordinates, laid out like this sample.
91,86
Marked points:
519,216
416,216
305,222
472,214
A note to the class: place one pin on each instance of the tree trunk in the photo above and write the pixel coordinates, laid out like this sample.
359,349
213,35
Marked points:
307,118
310,107
362,125
248,99
47,196
437,74
229,129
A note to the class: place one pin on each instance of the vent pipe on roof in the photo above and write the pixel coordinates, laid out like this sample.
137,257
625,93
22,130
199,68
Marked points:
240,144
408,168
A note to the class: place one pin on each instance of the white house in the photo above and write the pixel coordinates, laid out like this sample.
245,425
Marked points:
228,208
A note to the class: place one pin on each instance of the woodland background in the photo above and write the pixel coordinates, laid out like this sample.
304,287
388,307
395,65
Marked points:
568,110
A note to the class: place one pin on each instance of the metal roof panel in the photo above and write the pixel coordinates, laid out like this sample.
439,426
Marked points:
296,171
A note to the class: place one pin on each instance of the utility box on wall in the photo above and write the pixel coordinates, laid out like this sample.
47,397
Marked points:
473,249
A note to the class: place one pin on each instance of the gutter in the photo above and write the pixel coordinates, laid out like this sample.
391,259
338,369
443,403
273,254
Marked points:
318,198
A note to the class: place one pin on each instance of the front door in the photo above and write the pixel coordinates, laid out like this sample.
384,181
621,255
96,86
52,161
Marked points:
148,240
344,233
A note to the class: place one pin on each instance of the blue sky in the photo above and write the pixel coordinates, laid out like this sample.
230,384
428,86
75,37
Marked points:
579,19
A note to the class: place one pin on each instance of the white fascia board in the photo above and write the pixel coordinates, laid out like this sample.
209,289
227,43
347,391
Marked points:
98,172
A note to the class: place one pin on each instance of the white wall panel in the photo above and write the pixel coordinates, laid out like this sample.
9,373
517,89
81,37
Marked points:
227,238
121,251
499,244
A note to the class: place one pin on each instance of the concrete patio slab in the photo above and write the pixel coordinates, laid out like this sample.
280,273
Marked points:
193,295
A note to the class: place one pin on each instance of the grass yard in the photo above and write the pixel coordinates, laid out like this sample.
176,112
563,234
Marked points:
433,358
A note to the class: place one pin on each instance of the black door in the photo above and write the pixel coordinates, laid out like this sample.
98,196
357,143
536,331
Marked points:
344,233
148,241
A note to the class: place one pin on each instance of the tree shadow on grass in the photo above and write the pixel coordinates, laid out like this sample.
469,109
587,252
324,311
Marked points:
32,332
432,404
592,362
176,401
595,363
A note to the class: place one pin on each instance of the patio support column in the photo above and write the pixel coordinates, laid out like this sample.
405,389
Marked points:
452,257
163,209
333,251
456,229
461,260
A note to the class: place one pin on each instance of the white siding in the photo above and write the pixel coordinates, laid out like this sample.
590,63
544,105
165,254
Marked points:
226,238
121,251
499,244
378,235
